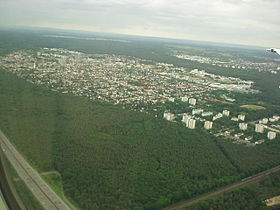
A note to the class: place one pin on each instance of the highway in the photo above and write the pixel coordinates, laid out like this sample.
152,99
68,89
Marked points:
40,189
242,183
3,205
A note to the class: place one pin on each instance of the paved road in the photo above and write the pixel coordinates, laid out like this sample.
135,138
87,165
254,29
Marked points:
3,205
45,195
273,129
242,183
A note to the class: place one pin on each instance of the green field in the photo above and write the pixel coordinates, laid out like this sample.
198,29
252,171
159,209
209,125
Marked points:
53,178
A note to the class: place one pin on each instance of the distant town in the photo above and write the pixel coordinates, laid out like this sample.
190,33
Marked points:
272,68
132,81
115,78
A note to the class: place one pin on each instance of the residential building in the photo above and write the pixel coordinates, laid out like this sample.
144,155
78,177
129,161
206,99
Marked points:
208,125
226,113
192,101
243,126
184,99
171,99
197,111
169,116
186,117
191,123
271,135
264,121
259,128
217,116
274,118
241,117
205,114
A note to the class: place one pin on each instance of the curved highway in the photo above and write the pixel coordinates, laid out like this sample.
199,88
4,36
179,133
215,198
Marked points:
39,188
2,202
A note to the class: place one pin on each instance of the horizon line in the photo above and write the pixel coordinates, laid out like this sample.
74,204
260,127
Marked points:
132,35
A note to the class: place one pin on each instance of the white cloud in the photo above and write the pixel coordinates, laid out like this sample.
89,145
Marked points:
239,21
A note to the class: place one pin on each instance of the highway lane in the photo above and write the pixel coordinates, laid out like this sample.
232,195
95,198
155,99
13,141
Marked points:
40,189
3,205
242,183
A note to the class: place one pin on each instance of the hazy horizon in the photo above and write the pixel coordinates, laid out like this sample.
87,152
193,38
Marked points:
242,22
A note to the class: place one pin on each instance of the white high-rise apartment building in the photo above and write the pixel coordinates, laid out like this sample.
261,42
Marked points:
184,99
208,125
226,113
271,135
191,123
192,101
243,126
169,116
259,128
186,117
241,117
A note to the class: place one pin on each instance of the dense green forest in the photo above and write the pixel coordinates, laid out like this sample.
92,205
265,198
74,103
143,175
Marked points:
113,158
251,197
110,157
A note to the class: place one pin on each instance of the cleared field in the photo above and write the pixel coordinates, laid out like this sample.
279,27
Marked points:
217,100
273,201
255,107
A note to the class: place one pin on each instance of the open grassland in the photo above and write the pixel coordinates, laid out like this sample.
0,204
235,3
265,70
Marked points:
253,107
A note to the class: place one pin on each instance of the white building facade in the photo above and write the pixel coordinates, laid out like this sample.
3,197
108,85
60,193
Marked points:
271,135
259,128
208,125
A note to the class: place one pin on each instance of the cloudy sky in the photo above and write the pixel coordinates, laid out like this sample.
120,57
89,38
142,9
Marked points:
251,22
